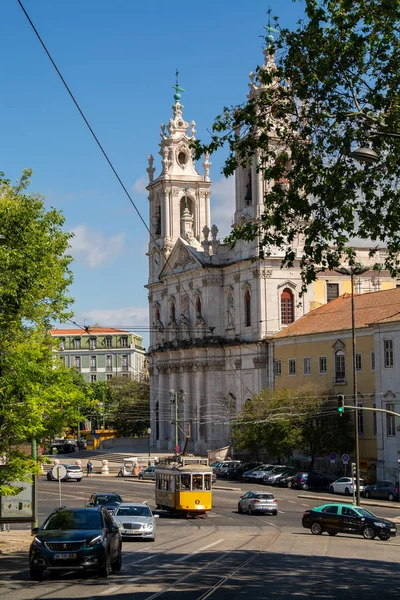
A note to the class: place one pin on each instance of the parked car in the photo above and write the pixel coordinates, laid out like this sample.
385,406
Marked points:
76,539
237,472
341,518
285,480
222,469
74,472
385,490
253,502
344,485
136,521
272,477
148,474
258,473
310,480
110,501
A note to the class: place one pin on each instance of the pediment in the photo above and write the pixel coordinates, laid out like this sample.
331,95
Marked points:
339,345
182,258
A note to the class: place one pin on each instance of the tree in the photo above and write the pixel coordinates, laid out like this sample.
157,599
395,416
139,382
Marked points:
328,86
38,396
305,420
127,405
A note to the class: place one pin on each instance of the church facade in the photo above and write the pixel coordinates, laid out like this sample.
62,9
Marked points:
212,307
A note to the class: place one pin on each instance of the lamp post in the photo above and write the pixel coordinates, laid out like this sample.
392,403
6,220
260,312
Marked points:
148,433
175,397
368,155
354,271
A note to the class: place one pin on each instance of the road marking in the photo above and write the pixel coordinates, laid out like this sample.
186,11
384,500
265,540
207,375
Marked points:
182,558
143,559
305,505
292,502
133,579
110,590
150,572
282,513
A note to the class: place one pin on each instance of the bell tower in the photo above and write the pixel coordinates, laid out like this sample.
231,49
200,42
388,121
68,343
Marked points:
179,198
250,186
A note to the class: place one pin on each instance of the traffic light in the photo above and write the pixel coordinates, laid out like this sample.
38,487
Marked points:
354,470
340,404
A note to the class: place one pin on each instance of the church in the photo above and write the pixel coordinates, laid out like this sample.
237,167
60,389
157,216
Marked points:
212,307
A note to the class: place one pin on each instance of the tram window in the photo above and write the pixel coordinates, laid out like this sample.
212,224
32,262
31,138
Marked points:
207,482
185,479
197,482
177,482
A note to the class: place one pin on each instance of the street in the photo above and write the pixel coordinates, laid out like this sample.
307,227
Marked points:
223,555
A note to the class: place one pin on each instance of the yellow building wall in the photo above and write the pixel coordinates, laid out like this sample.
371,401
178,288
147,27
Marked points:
298,350
387,285
319,291
346,286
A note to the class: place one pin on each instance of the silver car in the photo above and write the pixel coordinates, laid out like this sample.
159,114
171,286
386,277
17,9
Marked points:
253,502
135,521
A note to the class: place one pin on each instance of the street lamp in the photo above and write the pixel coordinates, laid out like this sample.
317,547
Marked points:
148,433
355,270
368,155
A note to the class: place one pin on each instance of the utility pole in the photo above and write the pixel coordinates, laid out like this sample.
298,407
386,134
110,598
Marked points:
175,397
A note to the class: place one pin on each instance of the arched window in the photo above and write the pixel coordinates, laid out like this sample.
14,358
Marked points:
172,311
287,307
157,314
247,308
198,306
340,366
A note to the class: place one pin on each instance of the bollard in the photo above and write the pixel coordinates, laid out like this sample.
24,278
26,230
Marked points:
104,468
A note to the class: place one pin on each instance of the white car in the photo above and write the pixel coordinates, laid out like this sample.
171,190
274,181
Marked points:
253,502
73,472
135,521
344,485
258,473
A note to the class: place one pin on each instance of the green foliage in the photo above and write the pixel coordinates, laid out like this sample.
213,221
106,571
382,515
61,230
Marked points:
38,395
127,405
280,422
336,85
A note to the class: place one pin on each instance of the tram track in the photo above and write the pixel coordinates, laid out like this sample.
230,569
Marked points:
65,586
173,587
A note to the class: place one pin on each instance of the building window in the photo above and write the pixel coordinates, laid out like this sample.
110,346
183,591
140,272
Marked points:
360,419
62,344
93,361
390,422
198,306
332,291
323,364
340,367
93,378
292,366
372,361
358,362
125,375
277,367
374,422
287,307
64,362
307,366
109,362
78,363
93,343
124,342
108,376
125,362
172,311
77,343
388,353
247,308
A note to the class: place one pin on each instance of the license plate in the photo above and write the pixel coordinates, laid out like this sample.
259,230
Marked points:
65,556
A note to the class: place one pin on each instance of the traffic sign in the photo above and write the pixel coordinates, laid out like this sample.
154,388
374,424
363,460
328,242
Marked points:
345,459
59,472
332,456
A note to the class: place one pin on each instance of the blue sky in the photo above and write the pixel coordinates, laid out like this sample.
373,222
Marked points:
119,57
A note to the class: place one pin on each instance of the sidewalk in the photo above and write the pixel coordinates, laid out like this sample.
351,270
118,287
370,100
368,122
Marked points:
15,541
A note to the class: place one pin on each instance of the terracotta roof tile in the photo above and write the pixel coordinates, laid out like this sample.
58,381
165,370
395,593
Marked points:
369,308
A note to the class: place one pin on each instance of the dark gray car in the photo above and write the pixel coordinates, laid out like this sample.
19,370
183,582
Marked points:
384,490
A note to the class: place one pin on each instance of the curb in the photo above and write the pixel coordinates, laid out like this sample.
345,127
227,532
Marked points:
346,500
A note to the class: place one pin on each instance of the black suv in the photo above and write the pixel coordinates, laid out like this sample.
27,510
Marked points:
110,501
310,480
76,539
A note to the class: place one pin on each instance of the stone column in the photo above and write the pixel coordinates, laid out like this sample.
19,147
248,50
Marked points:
167,226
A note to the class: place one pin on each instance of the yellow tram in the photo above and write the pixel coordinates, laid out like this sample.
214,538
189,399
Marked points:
184,487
